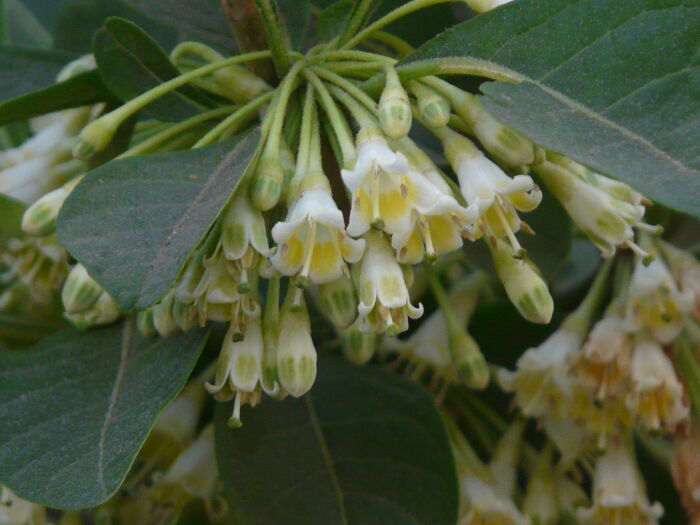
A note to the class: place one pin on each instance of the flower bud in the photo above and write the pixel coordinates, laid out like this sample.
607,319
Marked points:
104,311
195,470
504,143
296,358
239,83
266,187
184,315
481,6
39,219
358,347
270,330
468,359
394,108
163,318
523,283
95,137
144,323
540,502
433,108
338,301
80,291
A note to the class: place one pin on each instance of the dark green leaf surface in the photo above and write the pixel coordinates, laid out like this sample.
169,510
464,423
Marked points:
364,447
77,407
21,27
612,84
132,222
26,69
202,20
80,90
78,20
131,62
296,15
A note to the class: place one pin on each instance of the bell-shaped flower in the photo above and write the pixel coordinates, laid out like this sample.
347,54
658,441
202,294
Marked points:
654,302
195,471
603,365
312,243
602,209
541,382
619,495
385,305
494,197
387,193
484,505
656,395
686,271
217,295
239,369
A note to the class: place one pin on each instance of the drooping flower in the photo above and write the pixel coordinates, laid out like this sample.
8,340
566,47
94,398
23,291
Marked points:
656,394
655,303
619,495
312,243
385,305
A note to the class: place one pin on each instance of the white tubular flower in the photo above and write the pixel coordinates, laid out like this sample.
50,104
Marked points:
239,369
385,305
603,365
492,196
606,211
486,506
387,193
195,470
312,243
619,495
541,383
655,303
243,230
17,511
656,394
217,295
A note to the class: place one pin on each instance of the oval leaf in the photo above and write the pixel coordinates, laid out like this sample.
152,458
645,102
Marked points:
132,222
26,69
80,90
131,63
364,447
612,84
77,407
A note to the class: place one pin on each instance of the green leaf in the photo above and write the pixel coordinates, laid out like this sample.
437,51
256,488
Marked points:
333,19
296,15
201,20
26,69
21,26
131,62
11,212
77,407
363,447
81,90
132,222
78,21
612,84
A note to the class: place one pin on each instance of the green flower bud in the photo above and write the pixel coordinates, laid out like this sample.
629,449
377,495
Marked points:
467,358
163,318
266,187
80,291
433,108
144,323
523,283
184,315
270,330
338,301
358,347
239,83
104,311
39,219
540,502
394,108
296,358
504,143
95,136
